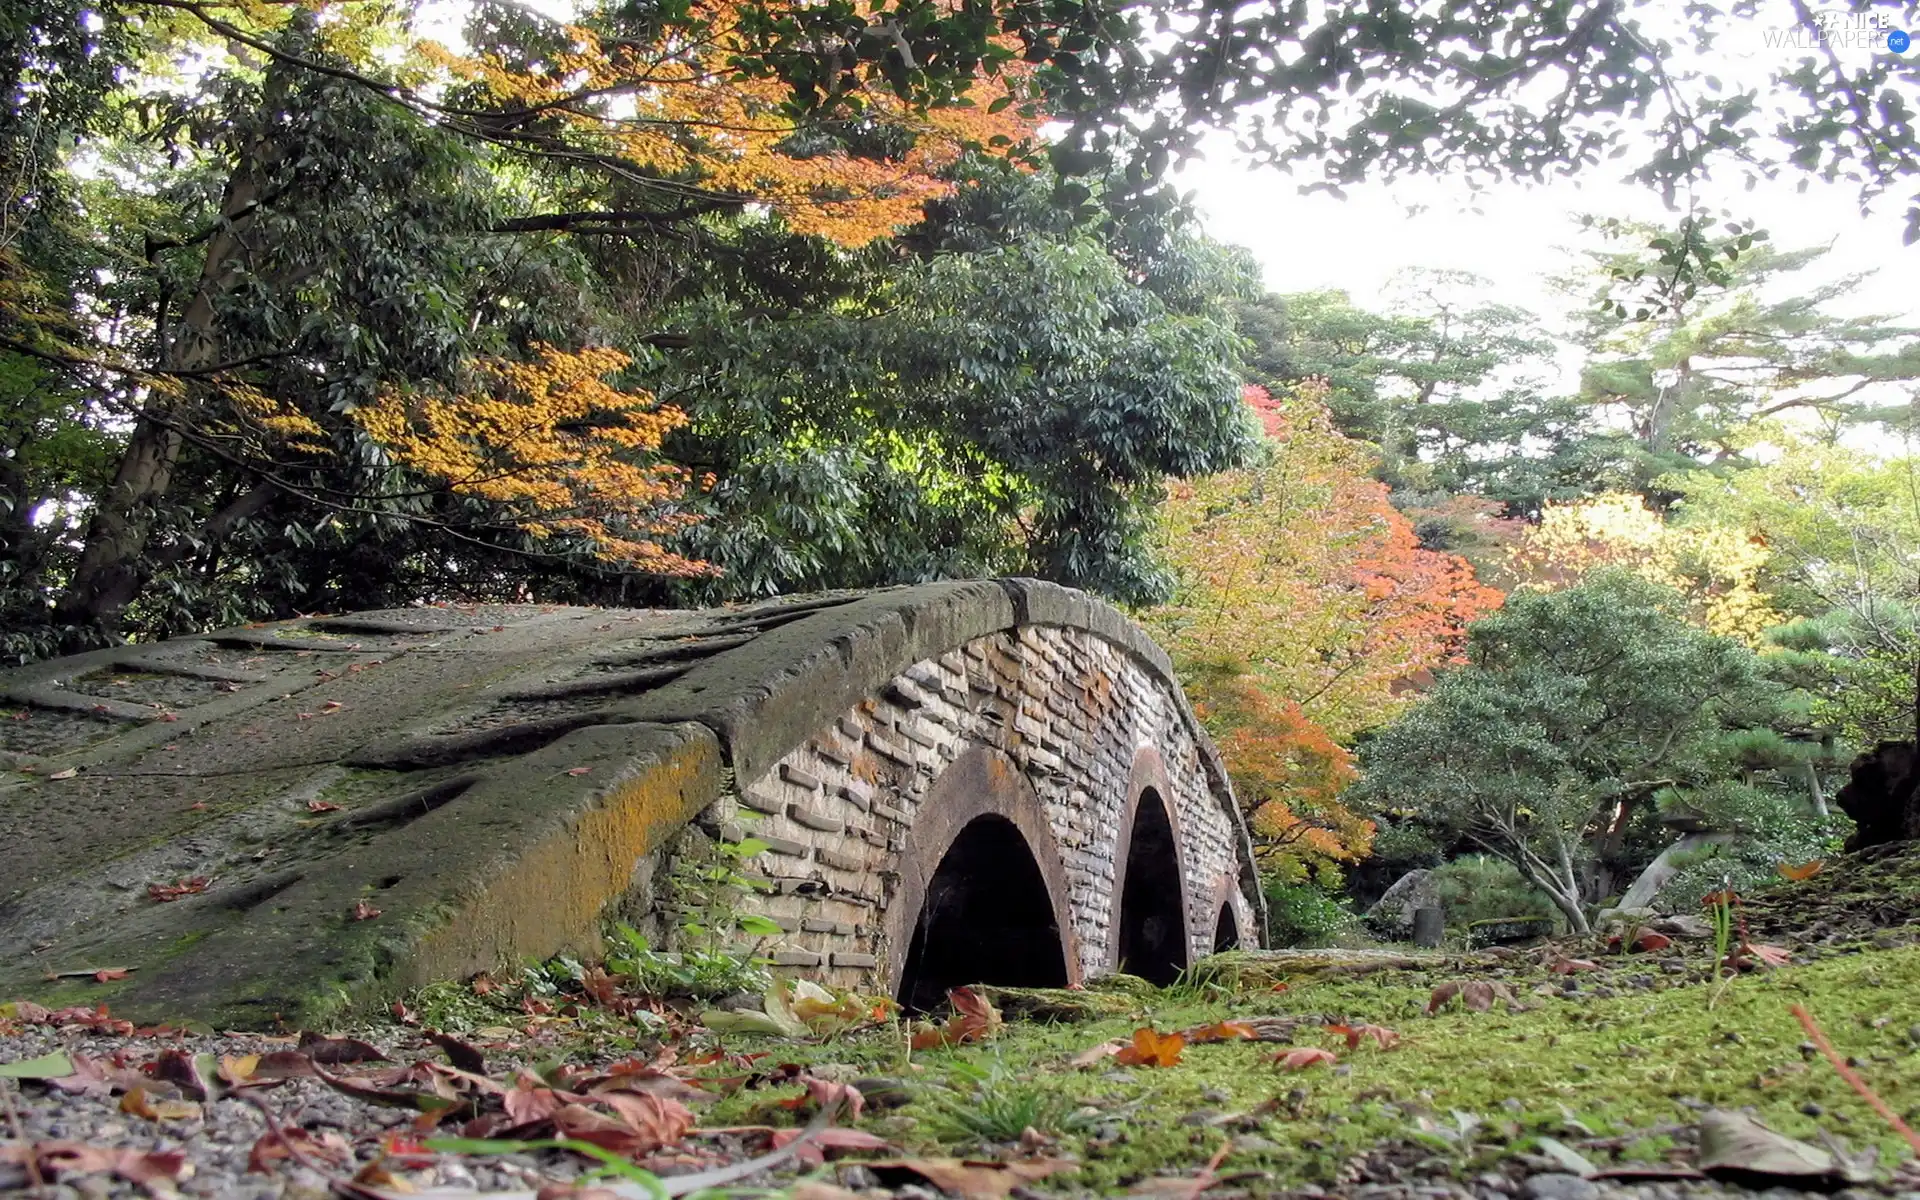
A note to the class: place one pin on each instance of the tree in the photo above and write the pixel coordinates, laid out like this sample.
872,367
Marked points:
1690,377
1305,612
323,237
1573,710
1718,568
1839,527
1009,400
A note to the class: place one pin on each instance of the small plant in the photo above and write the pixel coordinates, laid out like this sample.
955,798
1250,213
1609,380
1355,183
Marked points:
1000,1106
708,889
1720,909
700,974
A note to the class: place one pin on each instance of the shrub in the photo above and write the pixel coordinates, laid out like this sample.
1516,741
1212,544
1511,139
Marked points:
1480,887
1301,914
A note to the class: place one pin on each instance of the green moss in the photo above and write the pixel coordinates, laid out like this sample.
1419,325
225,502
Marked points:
1565,1067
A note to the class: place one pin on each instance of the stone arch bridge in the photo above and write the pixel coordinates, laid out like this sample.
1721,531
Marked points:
993,781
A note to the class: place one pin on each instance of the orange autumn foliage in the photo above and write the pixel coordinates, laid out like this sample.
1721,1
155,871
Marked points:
557,447
697,121
1307,612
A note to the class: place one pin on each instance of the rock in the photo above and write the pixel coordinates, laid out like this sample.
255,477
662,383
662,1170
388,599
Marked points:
1394,910
1556,1186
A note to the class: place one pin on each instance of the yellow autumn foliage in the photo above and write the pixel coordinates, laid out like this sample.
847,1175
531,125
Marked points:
1716,567
695,119
553,443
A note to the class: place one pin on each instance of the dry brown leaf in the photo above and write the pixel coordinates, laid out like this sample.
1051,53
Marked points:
1094,1054
1385,1038
1301,1058
975,1180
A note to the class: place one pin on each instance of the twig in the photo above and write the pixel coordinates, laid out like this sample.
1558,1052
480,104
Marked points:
1853,1078
20,1132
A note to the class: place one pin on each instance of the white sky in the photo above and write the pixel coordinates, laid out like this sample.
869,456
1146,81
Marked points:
1516,238
1519,236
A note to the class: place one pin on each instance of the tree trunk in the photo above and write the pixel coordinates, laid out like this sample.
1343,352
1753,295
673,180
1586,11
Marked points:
114,560
1661,869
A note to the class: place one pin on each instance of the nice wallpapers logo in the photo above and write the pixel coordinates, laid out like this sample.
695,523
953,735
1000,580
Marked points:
1842,31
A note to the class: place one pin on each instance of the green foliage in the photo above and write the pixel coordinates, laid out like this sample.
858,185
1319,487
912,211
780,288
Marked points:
707,889
1010,404
1572,705
1480,887
1303,914
701,974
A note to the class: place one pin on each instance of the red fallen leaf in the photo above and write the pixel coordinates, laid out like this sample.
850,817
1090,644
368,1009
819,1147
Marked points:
1477,995
1302,1057
1385,1038
459,1053
1281,987
813,1153
96,1077
1806,870
1151,1048
363,910
1715,899
578,770
191,1073
169,716
825,1093
332,706
334,1052
110,974
322,806
403,1014
1649,941
1766,956
1442,994
166,893
1570,966
304,716
405,1152
197,805
325,1146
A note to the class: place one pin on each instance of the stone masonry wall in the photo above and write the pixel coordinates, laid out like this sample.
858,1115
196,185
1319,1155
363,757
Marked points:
1068,707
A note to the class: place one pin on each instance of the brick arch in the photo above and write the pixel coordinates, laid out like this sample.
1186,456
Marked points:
1149,783
980,782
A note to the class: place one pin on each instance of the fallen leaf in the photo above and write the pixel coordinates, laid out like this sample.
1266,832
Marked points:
1806,870
1383,1037
1739,1149
322,806
459,1053
139,1104
1219,1031
166,893
325,1146
1151,1048
974,1180
579,770
1094,1054
110,974
363,910
48,1066
1300,1058
1648,941
1571,966
974,1019
69,773
1565,1157
334,1052
812,1153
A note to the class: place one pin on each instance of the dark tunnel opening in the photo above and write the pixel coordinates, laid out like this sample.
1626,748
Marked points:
1153,927
986,918
1226,932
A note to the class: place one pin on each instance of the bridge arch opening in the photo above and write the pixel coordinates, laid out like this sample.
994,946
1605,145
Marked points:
1226,931
1153,927
986,917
